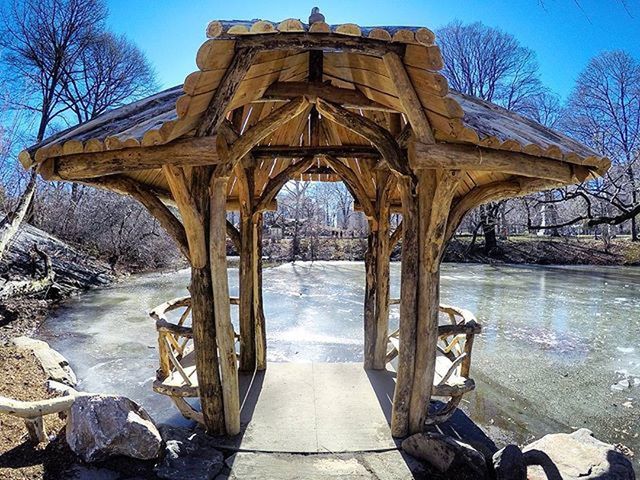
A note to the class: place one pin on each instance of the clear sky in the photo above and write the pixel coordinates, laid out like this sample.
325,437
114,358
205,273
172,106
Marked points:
563,33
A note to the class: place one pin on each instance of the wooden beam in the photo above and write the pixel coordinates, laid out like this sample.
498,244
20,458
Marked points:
470,157
378,136
351,178
224,334
217,108
266,127
203,313
282,91
152,203
411,104
276,183
338,151
191,216
188,152
327,42
514,187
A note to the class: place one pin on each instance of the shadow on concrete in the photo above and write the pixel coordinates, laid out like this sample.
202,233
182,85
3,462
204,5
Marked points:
459,426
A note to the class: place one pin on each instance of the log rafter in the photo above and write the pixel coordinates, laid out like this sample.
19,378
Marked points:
371,131
235,73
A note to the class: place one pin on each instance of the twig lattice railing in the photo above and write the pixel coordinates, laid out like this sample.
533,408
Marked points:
176,376
453,360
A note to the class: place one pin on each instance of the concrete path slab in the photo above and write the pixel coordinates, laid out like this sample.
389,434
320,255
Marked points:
390,465
315,407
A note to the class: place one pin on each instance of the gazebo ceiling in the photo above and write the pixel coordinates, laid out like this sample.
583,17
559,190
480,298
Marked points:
353,74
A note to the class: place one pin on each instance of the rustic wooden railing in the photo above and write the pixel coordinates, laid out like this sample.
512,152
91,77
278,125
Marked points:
453,363
33,412
177,376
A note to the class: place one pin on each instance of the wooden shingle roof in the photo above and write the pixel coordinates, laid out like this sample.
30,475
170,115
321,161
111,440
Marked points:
352,66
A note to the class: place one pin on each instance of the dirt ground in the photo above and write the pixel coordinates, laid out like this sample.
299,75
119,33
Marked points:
23,379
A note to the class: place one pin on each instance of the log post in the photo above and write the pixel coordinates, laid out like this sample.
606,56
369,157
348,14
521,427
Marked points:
384,184
408,308
370,327
258,310
202,304
247,270
435,191
221,305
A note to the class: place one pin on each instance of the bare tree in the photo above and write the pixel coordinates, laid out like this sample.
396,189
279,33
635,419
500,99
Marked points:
110,72
604,112
489,64
40,41
492,65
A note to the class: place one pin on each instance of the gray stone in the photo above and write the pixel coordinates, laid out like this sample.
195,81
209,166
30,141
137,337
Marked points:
447,456
80,472
509,464
188,455
55,366
578,455
102,426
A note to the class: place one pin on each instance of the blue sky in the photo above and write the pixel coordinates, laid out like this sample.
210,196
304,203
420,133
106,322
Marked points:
562,33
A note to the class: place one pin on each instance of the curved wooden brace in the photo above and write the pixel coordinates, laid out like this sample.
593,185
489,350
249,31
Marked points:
276,183
371,131
152,203
266,127
350,178
191,216
517,186
234,235
396,236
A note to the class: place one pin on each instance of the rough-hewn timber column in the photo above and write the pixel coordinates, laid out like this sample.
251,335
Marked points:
203,320
435,190
221,306
247,269
377,276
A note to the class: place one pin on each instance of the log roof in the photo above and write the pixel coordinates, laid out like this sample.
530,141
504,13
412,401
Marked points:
352,70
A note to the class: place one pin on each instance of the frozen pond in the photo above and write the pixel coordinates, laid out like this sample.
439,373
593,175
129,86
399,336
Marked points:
560,347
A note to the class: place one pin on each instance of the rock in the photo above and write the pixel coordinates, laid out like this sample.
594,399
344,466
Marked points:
102,426
59,388
55,366
579,455
509,464
188,455
447,456
80,472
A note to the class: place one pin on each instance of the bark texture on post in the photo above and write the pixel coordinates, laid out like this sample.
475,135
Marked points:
435,190
377,288
220,287
203,319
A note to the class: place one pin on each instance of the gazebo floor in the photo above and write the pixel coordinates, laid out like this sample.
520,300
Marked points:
315,408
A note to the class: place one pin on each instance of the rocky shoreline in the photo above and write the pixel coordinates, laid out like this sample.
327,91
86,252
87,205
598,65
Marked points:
111,437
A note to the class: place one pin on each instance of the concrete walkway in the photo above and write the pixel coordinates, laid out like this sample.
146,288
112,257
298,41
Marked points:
315,408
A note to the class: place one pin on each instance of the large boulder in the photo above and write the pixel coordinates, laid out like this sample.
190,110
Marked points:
55,366
103,426
188,455
578,455
447,456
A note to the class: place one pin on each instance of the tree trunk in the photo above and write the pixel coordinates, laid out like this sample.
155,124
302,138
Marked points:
11,223
488,222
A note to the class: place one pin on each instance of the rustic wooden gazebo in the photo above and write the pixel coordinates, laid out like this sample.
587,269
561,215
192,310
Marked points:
273,102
